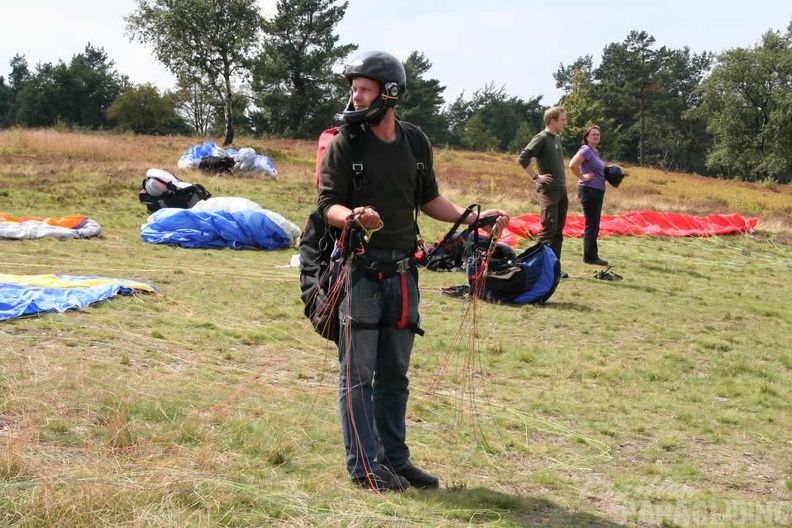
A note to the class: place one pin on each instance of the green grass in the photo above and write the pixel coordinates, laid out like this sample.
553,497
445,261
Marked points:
659,400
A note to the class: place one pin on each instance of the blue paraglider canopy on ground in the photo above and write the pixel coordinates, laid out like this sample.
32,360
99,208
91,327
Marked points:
222,222
245,159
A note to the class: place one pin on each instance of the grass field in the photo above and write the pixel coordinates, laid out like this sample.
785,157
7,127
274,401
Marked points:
663,399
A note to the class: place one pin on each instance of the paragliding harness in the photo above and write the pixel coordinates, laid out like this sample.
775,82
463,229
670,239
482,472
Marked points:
175,193
530,277
325,250
453,250
496,273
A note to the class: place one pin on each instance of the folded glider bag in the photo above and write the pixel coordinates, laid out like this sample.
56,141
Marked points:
190,228
29,227
29,294
635,223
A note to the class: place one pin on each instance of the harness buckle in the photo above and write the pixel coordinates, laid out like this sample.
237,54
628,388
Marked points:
403,265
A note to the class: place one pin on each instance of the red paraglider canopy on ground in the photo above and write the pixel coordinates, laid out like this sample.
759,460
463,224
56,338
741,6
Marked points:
635,223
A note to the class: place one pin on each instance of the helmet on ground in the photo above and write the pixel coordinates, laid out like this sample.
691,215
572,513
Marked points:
157,180
614,175
155,187
388,71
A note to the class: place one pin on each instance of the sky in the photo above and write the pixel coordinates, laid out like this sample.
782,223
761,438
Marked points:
516,45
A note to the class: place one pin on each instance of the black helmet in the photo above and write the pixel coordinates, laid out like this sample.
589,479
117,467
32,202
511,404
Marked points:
614,175
388,72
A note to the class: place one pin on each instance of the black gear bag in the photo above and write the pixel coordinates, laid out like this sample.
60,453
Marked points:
162,189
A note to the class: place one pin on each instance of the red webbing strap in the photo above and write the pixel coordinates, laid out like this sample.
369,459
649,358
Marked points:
405,301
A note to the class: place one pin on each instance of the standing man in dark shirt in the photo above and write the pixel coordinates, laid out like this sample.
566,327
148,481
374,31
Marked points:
550,177
379,313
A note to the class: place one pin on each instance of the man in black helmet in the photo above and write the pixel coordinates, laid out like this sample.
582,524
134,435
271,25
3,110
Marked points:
379,314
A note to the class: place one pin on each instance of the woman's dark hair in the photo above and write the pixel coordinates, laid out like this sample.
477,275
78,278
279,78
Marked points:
587,132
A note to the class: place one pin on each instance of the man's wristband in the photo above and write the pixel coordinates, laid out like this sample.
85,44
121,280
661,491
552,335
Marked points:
535,177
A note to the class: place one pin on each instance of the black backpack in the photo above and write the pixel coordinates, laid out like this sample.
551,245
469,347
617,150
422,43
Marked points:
171,194
216,164
528,278
324,248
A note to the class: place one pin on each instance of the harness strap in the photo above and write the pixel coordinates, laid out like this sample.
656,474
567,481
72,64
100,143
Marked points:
379,270
412,327
382,270
402,323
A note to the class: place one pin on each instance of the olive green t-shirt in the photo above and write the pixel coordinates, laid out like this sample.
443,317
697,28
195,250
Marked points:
389,185
546,148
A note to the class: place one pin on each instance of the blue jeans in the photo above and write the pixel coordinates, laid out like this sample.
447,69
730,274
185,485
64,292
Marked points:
591,199
374,357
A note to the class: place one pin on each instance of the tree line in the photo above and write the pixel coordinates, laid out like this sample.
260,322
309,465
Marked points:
727,115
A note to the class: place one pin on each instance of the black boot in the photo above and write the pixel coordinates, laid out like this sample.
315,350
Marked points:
382,479
417,477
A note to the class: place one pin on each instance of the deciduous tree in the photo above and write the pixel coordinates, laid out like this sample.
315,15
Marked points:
213,39
143,110
748,108
196,103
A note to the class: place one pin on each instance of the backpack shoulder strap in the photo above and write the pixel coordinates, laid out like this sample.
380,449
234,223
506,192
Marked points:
419,143
422,152
420,147
353,137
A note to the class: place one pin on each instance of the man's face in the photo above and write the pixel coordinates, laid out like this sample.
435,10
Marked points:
560,123
364,92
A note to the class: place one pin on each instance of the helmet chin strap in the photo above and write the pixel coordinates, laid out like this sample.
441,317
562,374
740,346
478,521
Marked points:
372,115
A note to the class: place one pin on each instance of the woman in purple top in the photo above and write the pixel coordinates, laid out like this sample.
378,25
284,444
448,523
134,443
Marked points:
590,168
